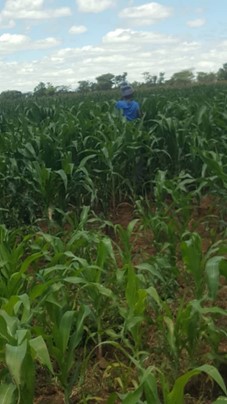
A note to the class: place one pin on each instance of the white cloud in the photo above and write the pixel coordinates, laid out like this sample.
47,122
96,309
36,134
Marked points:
11,43
199,22
94,6
59,12
148,53
146,14
120,50
9,39
77,29
45,43
29,9
130,36
17,5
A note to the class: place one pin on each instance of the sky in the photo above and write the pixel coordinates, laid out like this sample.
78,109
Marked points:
65,41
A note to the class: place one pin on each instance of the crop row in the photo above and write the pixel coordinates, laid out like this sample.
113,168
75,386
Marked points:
57,155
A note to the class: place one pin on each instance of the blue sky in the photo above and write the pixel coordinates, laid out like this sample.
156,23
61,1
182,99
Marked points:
63,42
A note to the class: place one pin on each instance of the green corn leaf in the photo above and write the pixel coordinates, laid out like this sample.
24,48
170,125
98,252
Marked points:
151,269
131,288
30,149
111,333
29,260
26,303
15,356
215,164
215,375
212,272
131,226
192,253
214,310
201,113
7,393
63,177
74,280
192,257
55,268
4,334
85,159
11,322
105,249
152,292
171,333
77,335
176,396
15,283
21,335
39,347
140,304
9,305
132,397
132,321
112,399
102,290
84,216
223,268
80,260
65,329
150,386
220,400
38,290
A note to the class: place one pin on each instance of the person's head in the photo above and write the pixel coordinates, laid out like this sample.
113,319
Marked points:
126,91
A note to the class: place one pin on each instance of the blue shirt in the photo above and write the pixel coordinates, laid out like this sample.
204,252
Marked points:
130,109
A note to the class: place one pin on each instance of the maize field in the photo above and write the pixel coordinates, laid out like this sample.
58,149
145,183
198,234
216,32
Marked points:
113,249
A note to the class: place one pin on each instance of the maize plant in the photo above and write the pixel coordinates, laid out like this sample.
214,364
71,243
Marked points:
111,303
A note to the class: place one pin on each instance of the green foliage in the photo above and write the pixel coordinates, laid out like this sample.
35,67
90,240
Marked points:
69,292
176,395
58,153
7,393
183,77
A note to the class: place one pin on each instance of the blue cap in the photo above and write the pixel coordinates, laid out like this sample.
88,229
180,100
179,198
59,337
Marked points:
126,89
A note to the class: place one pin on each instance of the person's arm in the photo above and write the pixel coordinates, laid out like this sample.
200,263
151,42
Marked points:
118,104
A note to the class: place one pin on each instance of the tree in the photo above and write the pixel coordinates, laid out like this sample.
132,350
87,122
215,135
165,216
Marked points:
11,95
149,79
105,81
40,89
135,84
50,89
63,89
161,78
120,78
205,78
222,72
45,89
183,77
84,86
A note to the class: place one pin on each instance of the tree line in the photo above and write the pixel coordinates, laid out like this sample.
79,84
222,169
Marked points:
109,81
184,77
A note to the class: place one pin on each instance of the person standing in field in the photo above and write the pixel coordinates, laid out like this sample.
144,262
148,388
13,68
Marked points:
129,107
